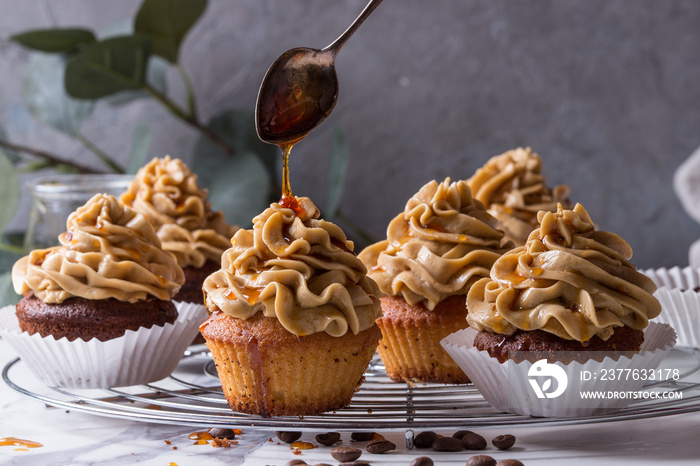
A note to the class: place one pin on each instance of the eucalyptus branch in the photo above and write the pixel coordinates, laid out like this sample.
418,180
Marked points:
106,159
188,118
54,160
11,248
190,91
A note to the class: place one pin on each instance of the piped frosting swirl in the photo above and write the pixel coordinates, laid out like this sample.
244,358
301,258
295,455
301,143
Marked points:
165,191
298,268
513,189
441,243
569,279
108,251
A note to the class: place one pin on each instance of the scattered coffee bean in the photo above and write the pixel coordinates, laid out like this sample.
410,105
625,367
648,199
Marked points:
219,432
481,460
509,463
362,436
422,461
425,439
447,444
288,437
473,441
503,442
328,439
461,433
380,446
296,463
346,453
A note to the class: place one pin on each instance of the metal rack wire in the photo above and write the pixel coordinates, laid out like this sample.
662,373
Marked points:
192,396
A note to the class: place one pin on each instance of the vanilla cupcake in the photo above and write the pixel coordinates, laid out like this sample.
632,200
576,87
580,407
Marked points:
95,307
293,315
165,191
441,244
513,189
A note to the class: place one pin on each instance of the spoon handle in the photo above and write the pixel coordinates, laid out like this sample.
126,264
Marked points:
335,47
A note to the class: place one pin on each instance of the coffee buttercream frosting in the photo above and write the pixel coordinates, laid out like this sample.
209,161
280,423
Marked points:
298,268
108,251
441,243
513,189
569,279
165,191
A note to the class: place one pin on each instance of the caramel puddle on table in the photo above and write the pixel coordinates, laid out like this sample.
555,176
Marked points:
18,442
201,438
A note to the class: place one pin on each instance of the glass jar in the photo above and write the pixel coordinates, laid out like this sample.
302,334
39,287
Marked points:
55,197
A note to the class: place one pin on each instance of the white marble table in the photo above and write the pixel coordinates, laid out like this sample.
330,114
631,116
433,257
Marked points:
72,437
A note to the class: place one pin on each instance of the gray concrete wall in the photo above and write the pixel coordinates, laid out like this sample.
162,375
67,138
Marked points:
606,91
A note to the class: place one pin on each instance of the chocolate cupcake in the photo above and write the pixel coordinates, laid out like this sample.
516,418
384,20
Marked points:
165,191
570,288
97,309
441,244
293,315
514,190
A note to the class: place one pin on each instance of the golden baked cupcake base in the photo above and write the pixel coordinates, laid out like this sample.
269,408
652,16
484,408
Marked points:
411,334
266,370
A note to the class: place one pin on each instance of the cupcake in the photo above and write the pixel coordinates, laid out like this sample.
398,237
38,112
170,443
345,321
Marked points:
513,189
441,244
570,288
90,302
556,317
293,315
165,191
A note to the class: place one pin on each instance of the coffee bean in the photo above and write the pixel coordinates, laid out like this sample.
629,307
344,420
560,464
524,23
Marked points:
361,436
346,453
473,442
481,460
422,461
218,432
503,442
380,446
296,463
288,437
425,439
447,444
509,463
328,439
461,433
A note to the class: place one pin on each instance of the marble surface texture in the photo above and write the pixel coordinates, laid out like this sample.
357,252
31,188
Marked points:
71,437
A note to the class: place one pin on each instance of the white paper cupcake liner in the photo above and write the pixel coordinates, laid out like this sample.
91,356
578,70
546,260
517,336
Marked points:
137,357
680,302
507,386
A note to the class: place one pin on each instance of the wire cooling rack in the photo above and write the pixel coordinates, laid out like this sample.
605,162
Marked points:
192,396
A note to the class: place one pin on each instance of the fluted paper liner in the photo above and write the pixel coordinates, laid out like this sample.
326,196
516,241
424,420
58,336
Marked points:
137,357
508,389
680,301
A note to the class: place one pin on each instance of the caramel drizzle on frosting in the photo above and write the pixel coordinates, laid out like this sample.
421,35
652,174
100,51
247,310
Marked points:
513,189
165,191
298,268
441,243
108,251
569,279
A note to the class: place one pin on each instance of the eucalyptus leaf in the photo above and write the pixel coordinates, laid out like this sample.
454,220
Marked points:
167,22
9,190
237,128
12,155
61,40
155,74
107,67
8,297
140,141
46,98
336,175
